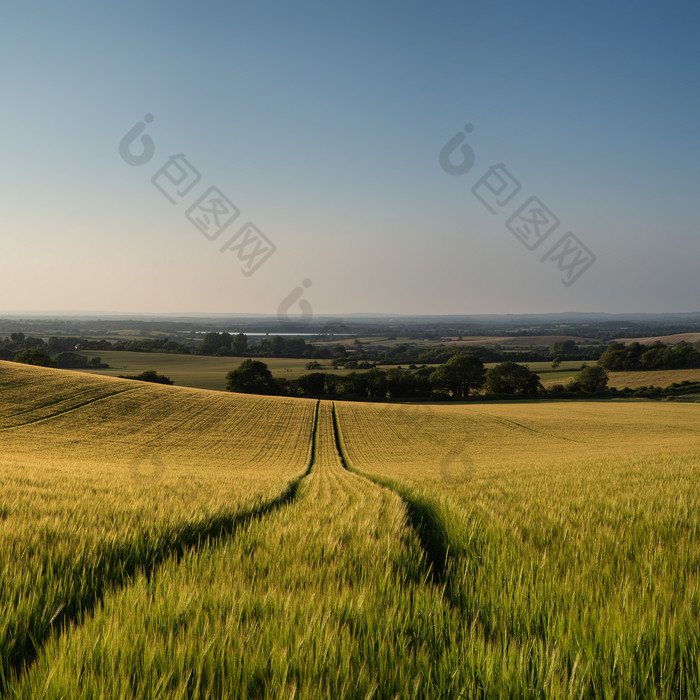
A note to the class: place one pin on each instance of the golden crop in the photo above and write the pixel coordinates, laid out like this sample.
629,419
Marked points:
168,542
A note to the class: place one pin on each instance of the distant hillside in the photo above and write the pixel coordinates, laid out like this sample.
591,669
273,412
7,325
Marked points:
668,339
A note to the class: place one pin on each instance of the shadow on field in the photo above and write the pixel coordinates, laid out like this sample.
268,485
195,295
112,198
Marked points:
120,564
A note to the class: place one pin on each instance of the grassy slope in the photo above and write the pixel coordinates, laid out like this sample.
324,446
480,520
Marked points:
198,371
99,477
210,372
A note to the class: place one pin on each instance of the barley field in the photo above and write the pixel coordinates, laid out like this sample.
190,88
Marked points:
171,542
566,533
101,478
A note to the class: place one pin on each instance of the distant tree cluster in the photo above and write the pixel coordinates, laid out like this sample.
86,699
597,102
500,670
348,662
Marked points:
223,344
637,357
359,356
56,353
34,356
238,345
71,360
149,375
461,377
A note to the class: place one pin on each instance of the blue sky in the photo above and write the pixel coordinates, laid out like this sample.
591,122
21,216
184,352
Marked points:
322,123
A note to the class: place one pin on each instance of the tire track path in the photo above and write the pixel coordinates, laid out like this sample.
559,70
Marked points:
325,592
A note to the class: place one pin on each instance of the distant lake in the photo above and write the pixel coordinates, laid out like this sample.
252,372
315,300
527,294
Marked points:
263,334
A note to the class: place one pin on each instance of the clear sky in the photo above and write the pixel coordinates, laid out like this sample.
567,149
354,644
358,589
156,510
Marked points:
323,124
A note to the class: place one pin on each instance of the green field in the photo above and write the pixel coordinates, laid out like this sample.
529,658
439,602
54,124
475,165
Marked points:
197,371
172,542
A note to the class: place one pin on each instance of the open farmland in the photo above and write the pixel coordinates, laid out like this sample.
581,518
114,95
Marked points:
171,542
199,371
620,380
196,371
668,339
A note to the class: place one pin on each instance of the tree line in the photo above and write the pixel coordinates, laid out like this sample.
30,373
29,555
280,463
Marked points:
637,357
461,377
34,351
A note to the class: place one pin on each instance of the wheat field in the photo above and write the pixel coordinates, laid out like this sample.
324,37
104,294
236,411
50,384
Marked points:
169,542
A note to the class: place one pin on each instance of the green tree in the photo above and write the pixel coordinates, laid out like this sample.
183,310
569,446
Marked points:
591,379
400,383
563,347
371,383
239,344
213,343
511,378
312,384
251,377
614,357
70,360
150,375
460,375
277,345
34,356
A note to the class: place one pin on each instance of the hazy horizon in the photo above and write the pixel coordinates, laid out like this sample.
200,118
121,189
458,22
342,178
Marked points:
364,314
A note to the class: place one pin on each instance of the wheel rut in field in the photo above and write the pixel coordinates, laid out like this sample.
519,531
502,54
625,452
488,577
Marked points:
339,559
334,496
430,520
423,514
448,541
121,563
62,411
